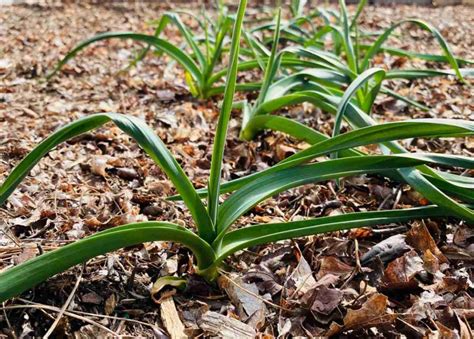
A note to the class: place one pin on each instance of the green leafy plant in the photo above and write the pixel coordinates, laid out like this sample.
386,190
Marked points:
214,240
199,63
322,88
350,57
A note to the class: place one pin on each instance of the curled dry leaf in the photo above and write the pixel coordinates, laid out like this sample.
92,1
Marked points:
163,282
400,273
332,265
250,308
372,313
424,307
420,238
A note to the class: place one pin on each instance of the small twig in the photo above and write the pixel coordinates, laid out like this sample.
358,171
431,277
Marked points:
398,196
57,309
358,267
8,323
154,327
66,305
384,201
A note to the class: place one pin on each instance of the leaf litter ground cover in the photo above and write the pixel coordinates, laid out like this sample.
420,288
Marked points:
101,180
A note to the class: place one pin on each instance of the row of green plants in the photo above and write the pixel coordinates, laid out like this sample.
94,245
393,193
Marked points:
295,68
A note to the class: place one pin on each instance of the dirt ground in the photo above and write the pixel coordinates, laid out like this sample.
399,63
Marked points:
305,287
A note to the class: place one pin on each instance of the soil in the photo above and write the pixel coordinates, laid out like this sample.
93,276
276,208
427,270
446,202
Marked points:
331,284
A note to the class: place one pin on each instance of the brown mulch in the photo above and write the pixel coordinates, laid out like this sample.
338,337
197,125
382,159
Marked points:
412,279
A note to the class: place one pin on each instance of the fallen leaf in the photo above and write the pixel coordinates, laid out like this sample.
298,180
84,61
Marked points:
420,238
332,265
372,313
400,273
325,300
110,304
250,308
301,279
424,306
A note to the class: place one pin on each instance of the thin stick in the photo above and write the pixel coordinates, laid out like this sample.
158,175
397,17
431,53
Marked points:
66,305
152,326
57,309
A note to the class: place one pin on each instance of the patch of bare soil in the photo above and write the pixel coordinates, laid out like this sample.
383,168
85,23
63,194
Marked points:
412,279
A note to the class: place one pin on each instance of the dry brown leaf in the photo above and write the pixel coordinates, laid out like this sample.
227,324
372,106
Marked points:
372,313
400,273
332,265
420,238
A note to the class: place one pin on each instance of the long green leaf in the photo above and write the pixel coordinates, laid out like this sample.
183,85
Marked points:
221,130
264,233
364,136
359,10
348,47
187,34
174,52
267,185
414,55
439,38
412,74
272,64
30,273
148,141
374,73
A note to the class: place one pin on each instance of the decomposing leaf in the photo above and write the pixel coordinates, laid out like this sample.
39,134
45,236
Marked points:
250,308
325,300
420,238
265,281
400,273
332,265
372,313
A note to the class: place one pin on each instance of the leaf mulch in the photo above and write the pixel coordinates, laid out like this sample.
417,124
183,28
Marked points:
411,279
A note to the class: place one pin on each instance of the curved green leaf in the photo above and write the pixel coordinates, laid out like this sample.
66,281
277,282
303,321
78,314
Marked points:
427,27
221,130
412,74
271,183
30,273
378,75
144,136
264,233
174,52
